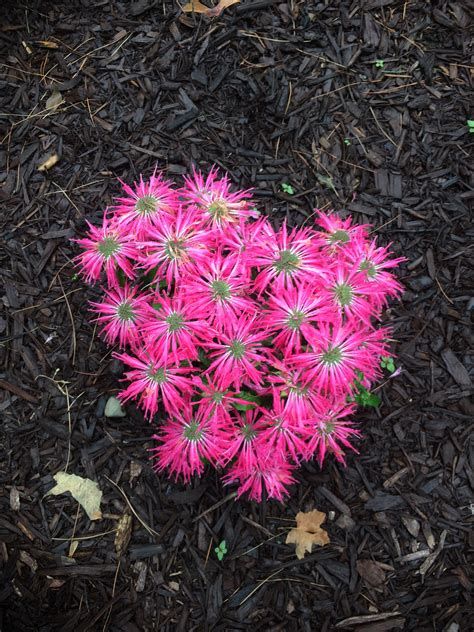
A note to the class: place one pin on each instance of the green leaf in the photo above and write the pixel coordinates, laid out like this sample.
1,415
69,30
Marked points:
203,359
287,188
244,407
221,550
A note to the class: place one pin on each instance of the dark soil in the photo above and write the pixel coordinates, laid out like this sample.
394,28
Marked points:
360,106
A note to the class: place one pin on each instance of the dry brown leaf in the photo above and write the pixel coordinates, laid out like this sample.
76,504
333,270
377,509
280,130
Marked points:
308,532
85,491
48,163
123,534
195,6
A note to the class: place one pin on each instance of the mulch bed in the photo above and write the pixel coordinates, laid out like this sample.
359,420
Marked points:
360,106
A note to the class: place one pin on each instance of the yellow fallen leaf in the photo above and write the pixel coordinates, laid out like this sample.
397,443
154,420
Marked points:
308,532
195,6
85,491
54,100
72,548
48,163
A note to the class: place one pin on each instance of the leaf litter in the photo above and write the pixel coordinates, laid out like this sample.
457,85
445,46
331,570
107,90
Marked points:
85,491
308,531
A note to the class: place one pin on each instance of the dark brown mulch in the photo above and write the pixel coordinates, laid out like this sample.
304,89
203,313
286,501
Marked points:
273,92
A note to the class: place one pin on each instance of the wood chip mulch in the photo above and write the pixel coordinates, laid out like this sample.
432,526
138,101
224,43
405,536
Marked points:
359,106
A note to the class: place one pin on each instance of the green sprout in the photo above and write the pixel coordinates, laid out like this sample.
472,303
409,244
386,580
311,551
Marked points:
347,142
470,126
74,277
387,363
364,397
287,188
221,550
379,63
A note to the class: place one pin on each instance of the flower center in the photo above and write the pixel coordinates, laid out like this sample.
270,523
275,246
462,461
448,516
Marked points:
367,266
278,423
146,205
326,429
220,290
332,356
125,311
295,319
237,349
299,391
287,262
248,432
218,397
157,375
108,247
192,432
218,210
175,321
339,236
175,248
344,294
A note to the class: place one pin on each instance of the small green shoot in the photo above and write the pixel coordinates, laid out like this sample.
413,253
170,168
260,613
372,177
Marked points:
221,550
287,188
74,277
364,397
387,363
379,63
470,126
347,142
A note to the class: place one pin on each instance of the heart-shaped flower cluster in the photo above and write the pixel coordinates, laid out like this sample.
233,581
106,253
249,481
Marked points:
253,340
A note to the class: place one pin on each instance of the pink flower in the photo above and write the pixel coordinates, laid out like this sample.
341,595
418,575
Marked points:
215,399
152,379
144,205
292,314
238,355
122,314
268,473
282,436
175,245
171,329
242,434
286,258
329,431
107,248
220,290
186,441
337,353
350,291
374,263
246,238
212,196
339,232
296,387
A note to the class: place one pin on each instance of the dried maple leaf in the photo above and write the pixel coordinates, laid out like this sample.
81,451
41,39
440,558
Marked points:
308,532
195,6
